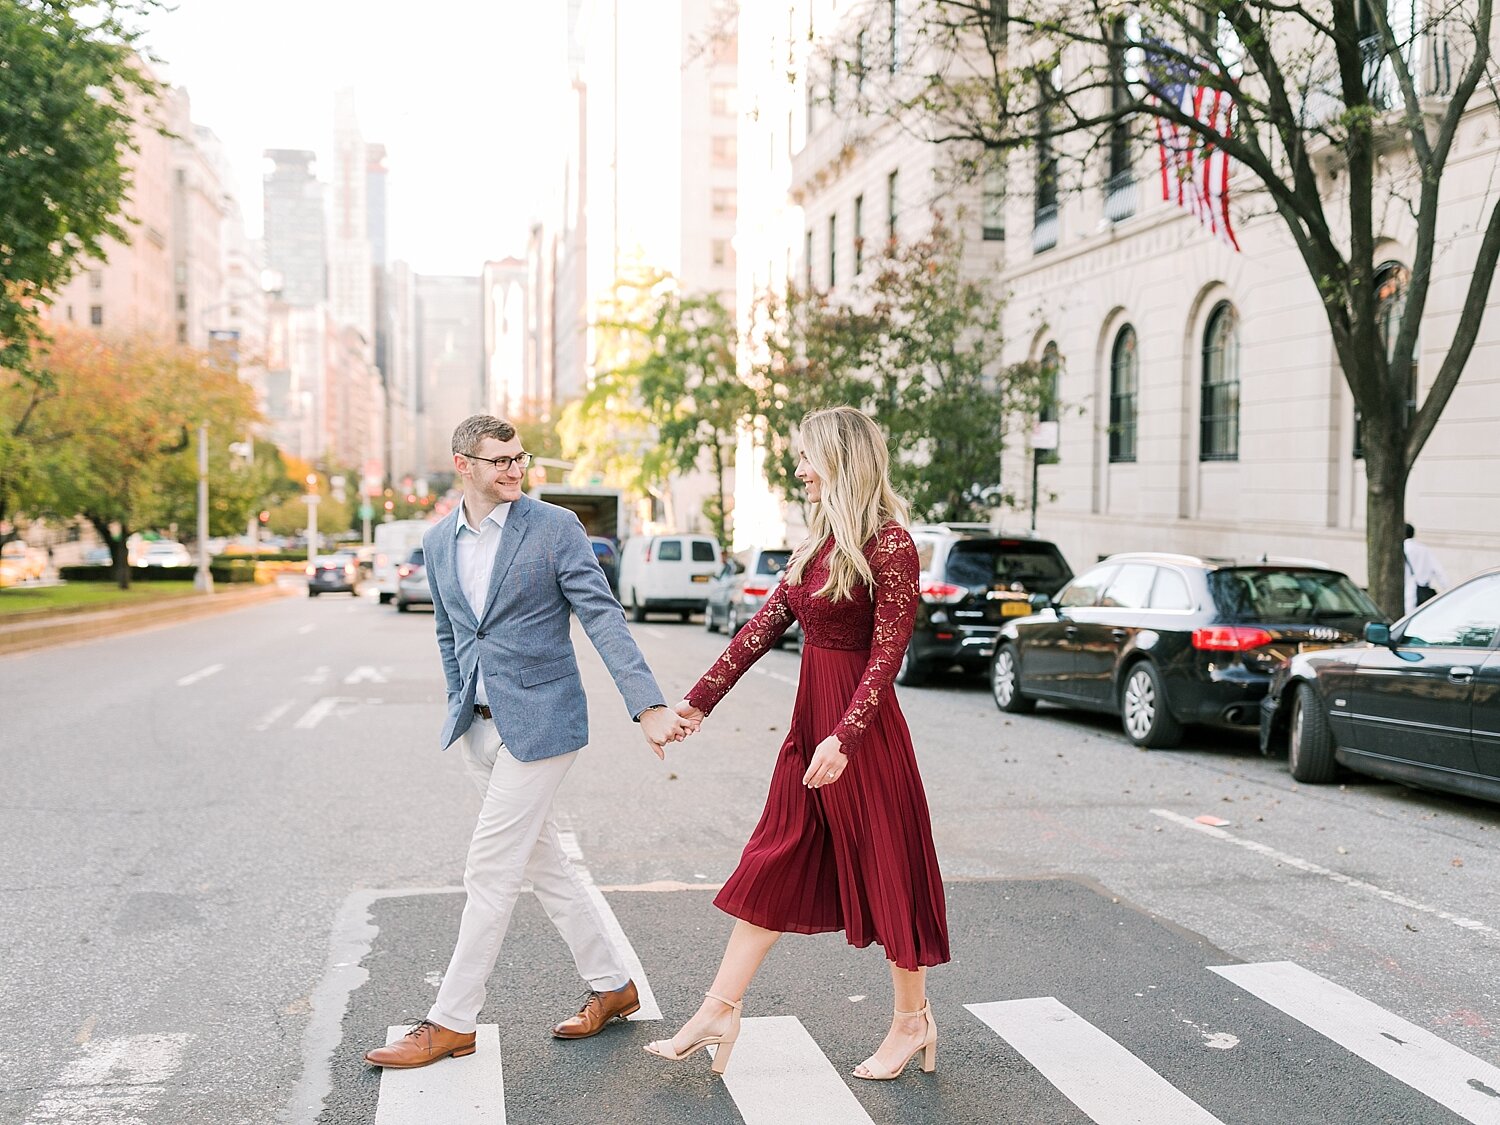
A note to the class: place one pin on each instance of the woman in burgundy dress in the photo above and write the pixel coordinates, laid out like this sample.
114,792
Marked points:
845,841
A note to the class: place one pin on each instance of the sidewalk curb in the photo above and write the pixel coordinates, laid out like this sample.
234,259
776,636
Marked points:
56,629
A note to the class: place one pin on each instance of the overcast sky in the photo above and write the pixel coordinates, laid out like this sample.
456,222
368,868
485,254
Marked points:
464,95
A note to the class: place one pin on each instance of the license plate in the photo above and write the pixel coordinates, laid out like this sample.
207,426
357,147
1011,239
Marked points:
1014,609
1314,646
700,578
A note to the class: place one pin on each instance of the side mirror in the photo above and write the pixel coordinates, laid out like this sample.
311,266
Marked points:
1378,633
1040,602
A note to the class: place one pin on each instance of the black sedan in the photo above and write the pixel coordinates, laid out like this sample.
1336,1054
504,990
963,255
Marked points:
1418,702
1167,640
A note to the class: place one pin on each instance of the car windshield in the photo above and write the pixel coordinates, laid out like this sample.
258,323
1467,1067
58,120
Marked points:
772,562
1273,594
416,557
1038,567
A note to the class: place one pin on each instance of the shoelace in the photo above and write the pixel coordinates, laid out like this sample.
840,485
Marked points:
416,1028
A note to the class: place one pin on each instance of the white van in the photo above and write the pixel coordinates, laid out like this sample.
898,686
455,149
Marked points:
667,574
394,543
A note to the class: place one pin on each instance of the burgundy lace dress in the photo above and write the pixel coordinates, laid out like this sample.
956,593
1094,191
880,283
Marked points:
855,855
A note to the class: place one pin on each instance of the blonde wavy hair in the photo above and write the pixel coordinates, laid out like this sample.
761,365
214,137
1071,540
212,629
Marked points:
847,451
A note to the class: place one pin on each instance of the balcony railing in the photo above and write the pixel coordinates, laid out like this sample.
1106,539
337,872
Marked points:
1122,196
1044,229
1428,56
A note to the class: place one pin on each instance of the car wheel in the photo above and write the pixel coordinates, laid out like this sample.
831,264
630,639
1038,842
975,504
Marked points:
1005,683
402,607
1144,713
312,593
732,624
912,672
687,615
709,625
637,610
385,599
1310,747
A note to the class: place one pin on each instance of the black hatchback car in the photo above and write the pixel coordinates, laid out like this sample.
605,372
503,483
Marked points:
1167,640
972,581
1418,703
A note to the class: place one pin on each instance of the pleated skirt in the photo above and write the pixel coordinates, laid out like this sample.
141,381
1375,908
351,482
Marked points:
856,855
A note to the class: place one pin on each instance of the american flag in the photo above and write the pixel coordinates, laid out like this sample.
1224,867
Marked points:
1194,170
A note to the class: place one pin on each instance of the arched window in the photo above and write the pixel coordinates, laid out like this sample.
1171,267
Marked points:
1219,423
1124,378
1048,411
1391,281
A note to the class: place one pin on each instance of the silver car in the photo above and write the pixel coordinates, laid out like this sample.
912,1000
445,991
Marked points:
742,587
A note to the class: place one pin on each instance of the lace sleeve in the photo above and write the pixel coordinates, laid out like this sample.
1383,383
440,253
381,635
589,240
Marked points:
894,561
748,646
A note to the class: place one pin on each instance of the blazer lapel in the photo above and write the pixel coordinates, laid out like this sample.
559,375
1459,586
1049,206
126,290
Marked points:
510,542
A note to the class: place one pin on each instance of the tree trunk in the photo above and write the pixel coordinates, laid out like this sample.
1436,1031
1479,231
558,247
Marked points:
1385,520
119,549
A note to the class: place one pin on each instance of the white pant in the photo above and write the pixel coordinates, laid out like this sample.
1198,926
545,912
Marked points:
515,840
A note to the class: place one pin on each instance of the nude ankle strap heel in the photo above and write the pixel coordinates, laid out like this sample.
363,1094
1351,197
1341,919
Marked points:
928,1047
662,1048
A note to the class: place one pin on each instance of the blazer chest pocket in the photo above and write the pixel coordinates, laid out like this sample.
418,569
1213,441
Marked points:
548,671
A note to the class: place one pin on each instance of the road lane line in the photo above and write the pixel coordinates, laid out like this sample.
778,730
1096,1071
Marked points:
365,673
1452,1077
777,676
1090,1069
320,674
648,1009
657,633
112,1080
321,710
466,1091
1311,868
272,715
201,674
778,1074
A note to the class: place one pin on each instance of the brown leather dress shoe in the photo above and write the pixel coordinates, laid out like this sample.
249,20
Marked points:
423,1044
598,1010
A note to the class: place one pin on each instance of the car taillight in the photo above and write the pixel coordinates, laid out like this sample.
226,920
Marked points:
757,591
403,571
941,592
1230,638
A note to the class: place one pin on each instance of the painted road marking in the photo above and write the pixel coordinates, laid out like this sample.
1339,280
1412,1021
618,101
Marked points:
1089,1068
778,1074
466,1091
320,675
1452,1077
112,1080
201,674
272,715
1311,868
777,676
321,710
648,1009
365,674
306,629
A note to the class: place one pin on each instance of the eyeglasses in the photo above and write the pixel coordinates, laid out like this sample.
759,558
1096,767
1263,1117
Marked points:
520,461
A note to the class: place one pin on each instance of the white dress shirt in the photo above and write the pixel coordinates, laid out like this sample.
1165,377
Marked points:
475,553
1422,569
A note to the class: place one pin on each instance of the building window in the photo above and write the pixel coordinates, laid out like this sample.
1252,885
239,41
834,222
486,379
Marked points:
998,26
723,99
1044,222
96,279
833,250
859,235
895,34
1391,280
861,63
96,315
1219,426
723,253
725,150
833,86
1048,409
1124,378
182,302
807,260
1119,187
992,204
723,202
892,205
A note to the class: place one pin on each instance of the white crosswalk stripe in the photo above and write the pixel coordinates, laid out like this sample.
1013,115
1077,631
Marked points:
649,1009
777,1074
1469,1086
1089,1068
112,1080
468,1091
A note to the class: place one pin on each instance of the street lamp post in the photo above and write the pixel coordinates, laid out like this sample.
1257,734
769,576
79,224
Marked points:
312,499
203,581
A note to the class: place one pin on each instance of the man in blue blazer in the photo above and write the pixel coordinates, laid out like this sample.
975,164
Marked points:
507,575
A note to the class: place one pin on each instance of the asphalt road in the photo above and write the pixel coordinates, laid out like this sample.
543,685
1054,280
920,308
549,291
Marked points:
228,853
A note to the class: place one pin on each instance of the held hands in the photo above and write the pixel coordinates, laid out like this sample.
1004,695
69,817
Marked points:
690,713
828,763
661,726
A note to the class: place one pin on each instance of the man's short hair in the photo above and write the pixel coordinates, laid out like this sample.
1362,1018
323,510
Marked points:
475,428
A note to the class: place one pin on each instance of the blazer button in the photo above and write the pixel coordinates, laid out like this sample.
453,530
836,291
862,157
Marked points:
480,634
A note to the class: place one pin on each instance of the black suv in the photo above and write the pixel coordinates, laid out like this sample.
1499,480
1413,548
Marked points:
972,581
1164,640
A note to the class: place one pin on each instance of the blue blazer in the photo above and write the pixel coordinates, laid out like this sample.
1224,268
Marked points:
521,642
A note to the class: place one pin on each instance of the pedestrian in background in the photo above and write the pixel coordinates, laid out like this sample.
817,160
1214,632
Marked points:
507,575
1424,575
845,841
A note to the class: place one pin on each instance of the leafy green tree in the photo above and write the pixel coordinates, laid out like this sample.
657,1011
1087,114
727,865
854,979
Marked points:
71,82
1347,118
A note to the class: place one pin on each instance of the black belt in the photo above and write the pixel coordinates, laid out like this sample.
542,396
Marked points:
483,711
